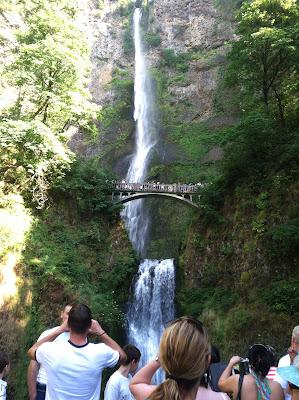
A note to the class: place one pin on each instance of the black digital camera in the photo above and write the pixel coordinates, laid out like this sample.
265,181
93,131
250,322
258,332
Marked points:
244,366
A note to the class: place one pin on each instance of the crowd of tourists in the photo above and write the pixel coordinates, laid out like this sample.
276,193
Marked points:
65,365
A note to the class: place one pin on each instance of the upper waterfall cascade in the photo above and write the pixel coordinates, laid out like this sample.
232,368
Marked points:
145,139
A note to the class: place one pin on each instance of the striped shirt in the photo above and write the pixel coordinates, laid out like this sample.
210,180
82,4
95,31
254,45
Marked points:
272,373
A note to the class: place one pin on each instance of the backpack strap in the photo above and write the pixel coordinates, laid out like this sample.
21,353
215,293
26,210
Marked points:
241,377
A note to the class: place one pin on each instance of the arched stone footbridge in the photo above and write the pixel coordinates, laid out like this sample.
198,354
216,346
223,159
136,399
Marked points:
124,192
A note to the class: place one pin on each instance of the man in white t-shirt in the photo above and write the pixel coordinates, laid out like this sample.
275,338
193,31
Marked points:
285,361
74,369
36,374
4,370
117,387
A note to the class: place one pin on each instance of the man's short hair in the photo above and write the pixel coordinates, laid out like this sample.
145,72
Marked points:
79,319
296,334
132,353
4,361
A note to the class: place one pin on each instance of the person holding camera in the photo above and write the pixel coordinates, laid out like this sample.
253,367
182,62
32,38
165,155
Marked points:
251,383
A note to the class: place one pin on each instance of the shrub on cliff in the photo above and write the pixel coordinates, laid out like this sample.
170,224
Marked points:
89,185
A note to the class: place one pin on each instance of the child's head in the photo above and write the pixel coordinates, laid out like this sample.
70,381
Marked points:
133,356
4,363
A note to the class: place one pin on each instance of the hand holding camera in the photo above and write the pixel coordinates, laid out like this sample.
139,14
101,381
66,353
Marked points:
242,365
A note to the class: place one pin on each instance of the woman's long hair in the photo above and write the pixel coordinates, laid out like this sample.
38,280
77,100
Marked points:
184,356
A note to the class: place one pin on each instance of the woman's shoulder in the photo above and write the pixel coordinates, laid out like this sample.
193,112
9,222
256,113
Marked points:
275,386
208,394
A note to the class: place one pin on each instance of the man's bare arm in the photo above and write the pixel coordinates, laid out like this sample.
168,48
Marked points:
32,373
96,329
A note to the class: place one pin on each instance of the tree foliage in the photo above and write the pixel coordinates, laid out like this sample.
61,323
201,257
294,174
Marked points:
90,186
31,158
264,59
50,67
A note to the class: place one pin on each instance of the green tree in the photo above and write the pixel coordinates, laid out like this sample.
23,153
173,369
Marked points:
50,68
264,58
31,159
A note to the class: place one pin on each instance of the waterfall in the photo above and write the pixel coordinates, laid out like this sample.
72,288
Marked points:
134,214
151,306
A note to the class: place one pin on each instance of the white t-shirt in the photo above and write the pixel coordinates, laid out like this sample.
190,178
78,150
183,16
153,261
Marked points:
285,361
75,372
117,388
63,337
3,385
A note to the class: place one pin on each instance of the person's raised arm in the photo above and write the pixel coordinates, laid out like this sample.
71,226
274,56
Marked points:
32,373
227,382
96,329
49,338
140,384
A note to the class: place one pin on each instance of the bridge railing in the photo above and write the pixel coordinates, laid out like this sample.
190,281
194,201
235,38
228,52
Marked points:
155,187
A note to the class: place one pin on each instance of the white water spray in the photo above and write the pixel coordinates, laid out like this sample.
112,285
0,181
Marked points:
151,308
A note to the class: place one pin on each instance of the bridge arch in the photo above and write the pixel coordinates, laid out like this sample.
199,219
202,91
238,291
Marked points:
135,196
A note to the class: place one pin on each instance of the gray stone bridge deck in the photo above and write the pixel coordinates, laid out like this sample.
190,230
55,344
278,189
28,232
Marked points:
124,192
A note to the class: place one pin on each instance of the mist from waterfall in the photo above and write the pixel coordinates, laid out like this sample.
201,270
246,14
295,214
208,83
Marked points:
152,303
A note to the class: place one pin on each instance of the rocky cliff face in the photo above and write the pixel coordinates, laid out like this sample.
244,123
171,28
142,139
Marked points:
107,52
197,26
183,26
188,24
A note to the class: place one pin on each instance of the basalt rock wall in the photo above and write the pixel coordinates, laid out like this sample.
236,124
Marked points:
198,30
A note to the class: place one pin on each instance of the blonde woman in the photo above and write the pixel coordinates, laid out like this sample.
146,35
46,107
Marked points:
184,354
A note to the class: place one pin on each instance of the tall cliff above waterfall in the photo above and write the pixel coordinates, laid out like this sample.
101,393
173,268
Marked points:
186,24
182,25
195,31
